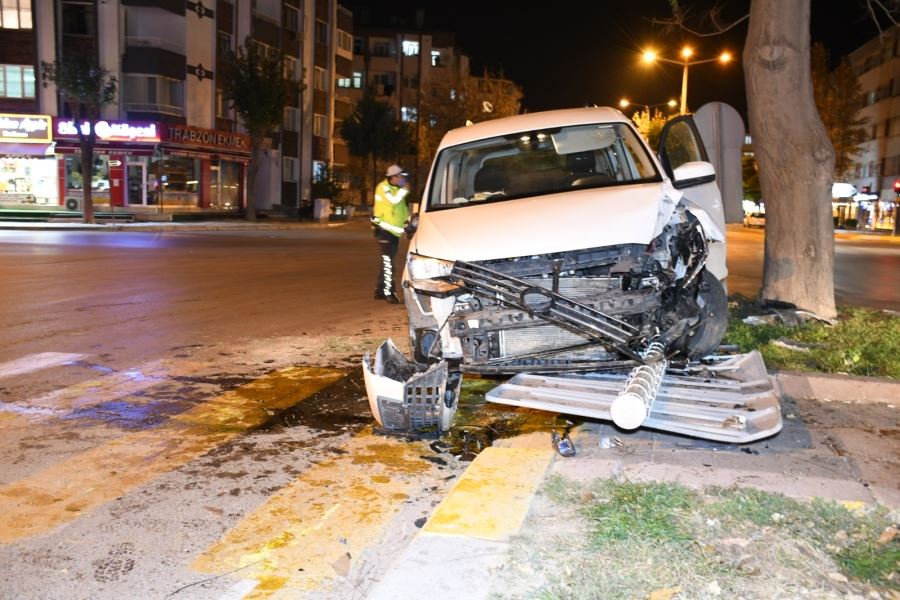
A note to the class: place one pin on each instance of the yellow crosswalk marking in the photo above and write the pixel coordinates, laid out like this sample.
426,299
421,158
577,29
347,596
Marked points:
303,535
59,494
493,496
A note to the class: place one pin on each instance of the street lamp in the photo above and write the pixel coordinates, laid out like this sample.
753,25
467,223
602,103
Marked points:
625,103
650,57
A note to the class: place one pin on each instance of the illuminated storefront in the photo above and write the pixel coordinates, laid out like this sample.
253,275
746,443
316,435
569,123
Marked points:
27,162
155,166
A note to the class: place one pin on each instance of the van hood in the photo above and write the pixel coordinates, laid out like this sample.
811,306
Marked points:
553,223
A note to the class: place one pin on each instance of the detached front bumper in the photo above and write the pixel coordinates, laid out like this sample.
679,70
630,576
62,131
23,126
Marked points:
404,398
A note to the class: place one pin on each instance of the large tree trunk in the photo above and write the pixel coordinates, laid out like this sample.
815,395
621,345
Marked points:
252,170
87,174
795,157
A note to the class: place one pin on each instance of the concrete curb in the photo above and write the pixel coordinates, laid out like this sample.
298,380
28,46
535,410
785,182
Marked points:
828,387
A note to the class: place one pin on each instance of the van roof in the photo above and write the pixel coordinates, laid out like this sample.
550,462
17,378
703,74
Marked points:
531,122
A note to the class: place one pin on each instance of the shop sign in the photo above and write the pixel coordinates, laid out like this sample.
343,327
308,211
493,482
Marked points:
110,131
25,128
196,136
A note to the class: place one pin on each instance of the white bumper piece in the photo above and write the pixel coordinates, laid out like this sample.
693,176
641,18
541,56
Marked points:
404,398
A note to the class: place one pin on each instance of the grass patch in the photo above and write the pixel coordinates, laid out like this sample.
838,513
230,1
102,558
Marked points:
636,538
646,511
862,341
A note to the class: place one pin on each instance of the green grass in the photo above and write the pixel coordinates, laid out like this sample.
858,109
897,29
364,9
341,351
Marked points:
681,532
862,341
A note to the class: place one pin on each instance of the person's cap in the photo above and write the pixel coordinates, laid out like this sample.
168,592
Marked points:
394,170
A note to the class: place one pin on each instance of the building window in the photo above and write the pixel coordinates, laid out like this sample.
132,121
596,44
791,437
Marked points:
321,32
410,48
290,19
221,104
345,41
408,114
291,68
290,167
16,81
435,58
357,79
223,43
411,82
320,79
319,128
358,45
291,119
15,14
381,48
267,8
78,18
153,93
344,82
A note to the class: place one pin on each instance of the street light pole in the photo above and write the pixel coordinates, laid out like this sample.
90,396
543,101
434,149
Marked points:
650,57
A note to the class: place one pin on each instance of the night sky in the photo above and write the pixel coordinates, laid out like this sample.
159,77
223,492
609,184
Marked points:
566,54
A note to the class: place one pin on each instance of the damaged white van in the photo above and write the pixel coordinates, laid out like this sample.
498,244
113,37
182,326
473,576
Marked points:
556,242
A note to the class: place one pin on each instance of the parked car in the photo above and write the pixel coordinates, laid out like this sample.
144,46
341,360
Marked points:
559,240
756,219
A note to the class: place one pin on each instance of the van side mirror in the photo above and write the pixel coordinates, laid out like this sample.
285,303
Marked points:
693,173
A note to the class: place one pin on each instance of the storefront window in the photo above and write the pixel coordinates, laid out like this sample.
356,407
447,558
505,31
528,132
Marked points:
30,180
179,179
99,177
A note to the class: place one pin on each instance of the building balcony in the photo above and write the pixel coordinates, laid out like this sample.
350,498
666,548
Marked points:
162,109
155,42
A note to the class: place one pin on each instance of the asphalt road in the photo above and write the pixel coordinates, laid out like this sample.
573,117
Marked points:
866,267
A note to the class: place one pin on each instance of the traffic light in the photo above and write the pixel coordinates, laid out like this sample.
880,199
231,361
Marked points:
897,186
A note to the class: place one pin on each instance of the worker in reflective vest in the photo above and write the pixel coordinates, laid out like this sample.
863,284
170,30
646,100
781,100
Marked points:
390,217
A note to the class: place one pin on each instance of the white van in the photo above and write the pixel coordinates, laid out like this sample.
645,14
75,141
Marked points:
560,242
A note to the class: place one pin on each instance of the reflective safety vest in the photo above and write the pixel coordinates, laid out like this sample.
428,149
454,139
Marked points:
390,211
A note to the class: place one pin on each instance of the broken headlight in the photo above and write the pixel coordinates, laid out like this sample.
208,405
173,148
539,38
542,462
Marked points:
424,267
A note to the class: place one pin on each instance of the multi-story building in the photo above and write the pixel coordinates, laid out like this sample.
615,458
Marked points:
877,65
169,142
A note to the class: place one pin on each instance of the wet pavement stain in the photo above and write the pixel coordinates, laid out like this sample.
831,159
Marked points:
340,408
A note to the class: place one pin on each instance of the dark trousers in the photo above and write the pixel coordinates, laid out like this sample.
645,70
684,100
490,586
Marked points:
388,244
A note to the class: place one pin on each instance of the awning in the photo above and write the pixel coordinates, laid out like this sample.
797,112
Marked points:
14,149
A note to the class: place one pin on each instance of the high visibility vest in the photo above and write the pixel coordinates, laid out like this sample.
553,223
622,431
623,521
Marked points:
390,211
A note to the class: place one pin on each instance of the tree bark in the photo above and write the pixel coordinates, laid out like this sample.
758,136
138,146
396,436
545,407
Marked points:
252,170
86,142
795,157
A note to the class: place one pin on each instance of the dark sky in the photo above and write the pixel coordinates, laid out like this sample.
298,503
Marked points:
566,54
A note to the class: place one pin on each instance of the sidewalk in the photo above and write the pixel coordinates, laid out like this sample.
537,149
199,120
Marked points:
828,455
219,225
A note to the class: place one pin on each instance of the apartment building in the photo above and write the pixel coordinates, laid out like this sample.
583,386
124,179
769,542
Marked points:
169,143
877,65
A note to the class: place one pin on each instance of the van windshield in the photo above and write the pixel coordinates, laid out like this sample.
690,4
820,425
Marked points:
535,163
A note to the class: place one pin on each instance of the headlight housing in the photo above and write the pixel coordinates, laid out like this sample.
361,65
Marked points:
424,267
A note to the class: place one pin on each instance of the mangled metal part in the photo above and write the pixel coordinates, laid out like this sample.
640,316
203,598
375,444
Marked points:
551,306
731,401
632,407
404,398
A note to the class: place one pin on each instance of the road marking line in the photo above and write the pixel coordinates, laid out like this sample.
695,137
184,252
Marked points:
493,496
36,362
59,494
338,507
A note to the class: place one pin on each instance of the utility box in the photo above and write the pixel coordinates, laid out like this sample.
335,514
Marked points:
321,209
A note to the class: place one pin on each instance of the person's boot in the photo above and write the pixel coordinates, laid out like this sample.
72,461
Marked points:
379,295
392,298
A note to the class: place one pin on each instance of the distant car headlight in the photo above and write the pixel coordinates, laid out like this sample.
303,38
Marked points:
425,267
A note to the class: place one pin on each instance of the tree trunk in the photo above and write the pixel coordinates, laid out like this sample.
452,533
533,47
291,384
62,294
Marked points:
252,170
86,142
374,178
795,157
